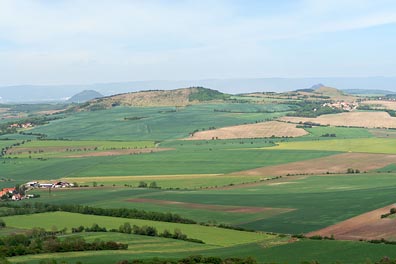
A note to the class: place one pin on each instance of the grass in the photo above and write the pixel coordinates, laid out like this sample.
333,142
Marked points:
277,252
101,145
318,201
160,123
340,132
367,145
210,235
191,181
201,160
7,143
64,148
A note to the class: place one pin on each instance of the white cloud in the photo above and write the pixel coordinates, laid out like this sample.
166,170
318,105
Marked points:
91,41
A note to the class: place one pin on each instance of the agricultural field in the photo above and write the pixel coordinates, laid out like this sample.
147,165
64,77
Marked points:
156,123
364,145
380,104
238,163
259,130
349,119
75,149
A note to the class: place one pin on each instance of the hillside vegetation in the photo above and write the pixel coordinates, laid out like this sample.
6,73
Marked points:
179,97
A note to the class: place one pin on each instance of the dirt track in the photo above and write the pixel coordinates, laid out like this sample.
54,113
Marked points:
366,226
210,207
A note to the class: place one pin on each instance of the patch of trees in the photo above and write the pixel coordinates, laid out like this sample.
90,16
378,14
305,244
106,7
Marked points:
39,241
329,135
391,212
132,118
26,208
351,171
126,228
151,185
316,237
204,94
194,260
152,231
313,109
381,241
248,112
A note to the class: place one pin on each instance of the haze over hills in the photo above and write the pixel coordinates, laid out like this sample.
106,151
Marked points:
84,96
35,93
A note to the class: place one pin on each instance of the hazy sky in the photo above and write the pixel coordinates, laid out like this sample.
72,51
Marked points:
63,42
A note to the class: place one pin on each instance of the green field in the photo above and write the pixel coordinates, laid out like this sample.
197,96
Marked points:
155,123
188,160
367,145
294,253
198,180
318,201
64,148
210,235
340,132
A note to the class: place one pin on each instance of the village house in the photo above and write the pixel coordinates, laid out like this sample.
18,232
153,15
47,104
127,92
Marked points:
7,191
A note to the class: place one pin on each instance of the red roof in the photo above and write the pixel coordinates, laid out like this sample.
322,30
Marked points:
8,189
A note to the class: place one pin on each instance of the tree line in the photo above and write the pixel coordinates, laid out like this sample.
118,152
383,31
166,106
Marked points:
145,230
39,241
28,208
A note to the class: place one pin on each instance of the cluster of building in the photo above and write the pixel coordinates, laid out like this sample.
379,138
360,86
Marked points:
13,194
346,106
20,194
59,184
26,125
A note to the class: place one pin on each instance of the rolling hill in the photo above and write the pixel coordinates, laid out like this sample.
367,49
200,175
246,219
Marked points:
84,96
177,97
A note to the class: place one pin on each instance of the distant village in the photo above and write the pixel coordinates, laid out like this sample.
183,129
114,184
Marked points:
24,125
345,106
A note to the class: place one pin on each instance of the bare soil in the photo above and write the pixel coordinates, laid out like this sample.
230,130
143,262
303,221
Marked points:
380,104
366,226
349,119
338,163
259,130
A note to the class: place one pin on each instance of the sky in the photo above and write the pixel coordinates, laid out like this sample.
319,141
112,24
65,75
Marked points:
92,41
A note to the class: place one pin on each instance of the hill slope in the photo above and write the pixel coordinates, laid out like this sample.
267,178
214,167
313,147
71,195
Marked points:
84,96
325,92
178,97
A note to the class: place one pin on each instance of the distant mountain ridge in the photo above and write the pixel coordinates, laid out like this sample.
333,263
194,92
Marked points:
368,91
84,96
30,93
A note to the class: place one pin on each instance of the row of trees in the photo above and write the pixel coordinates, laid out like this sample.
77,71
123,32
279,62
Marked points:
152,231
145,230
391,212
29,208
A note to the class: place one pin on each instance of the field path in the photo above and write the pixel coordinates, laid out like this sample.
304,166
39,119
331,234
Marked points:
212,207
366,226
